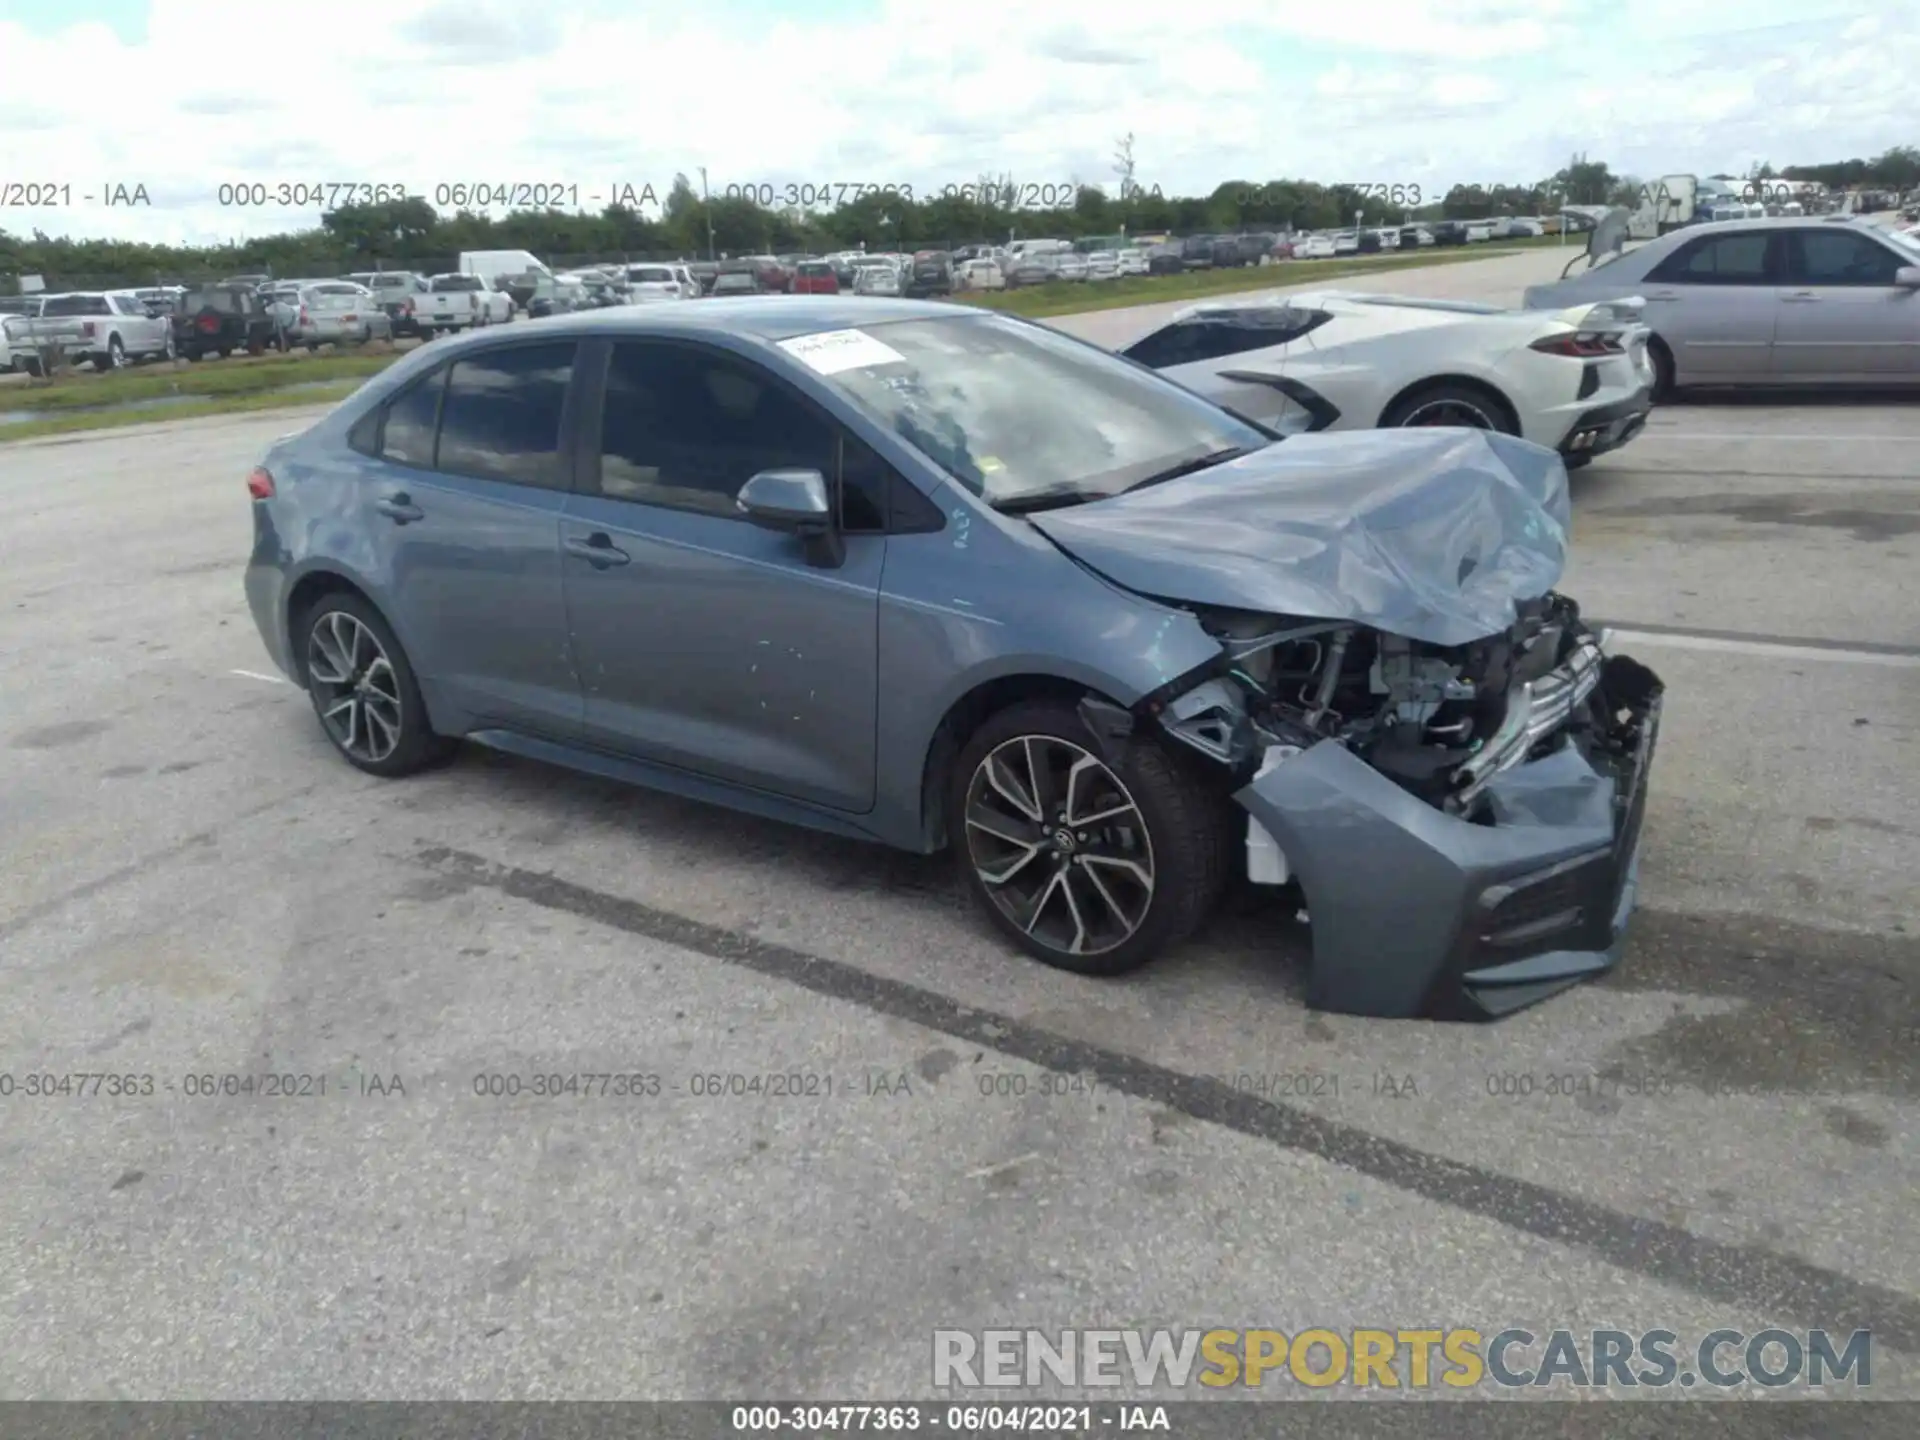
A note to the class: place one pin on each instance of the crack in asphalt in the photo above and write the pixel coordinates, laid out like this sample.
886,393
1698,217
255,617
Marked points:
1748,1276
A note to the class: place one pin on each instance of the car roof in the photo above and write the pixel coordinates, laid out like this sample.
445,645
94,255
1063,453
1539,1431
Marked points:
763,317
1764,222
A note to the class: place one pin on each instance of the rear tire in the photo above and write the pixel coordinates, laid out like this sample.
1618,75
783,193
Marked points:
363,688
1450,405
1102,892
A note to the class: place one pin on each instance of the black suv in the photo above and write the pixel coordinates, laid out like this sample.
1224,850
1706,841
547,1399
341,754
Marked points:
220,319
1449,232
931,273
1196,252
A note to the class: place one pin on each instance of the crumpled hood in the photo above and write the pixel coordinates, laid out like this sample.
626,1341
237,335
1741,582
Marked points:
1432,534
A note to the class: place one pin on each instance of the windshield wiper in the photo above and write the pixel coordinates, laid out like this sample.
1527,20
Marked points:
1189,467
1043,500
1055,499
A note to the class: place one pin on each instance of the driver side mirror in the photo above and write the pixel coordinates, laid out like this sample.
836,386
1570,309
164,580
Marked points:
1907,277
797,502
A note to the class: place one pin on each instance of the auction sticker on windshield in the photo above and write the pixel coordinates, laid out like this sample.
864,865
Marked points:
832,351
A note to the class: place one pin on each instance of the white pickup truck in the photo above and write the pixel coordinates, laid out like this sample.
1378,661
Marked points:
456,302
111,328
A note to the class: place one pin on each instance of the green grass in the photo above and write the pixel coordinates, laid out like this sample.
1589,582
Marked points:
1069,298
208,378
231,403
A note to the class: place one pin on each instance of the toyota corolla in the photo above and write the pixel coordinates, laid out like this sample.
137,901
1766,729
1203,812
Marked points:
946,579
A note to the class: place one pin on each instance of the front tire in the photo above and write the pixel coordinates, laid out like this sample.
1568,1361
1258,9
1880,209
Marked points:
1662,359
1088,864
363,689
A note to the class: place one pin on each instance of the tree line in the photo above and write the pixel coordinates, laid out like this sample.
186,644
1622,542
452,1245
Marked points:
410,233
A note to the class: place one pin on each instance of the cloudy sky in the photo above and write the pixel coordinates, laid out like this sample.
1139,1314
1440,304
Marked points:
183,96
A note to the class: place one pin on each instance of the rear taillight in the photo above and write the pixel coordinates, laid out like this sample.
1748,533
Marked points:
260,483
87,330
1579,347
406,307
209,323
303,314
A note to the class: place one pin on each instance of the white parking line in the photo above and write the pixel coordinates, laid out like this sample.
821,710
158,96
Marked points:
1666,433
1769,649
256,675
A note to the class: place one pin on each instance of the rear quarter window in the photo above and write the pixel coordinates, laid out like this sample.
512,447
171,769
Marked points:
405,426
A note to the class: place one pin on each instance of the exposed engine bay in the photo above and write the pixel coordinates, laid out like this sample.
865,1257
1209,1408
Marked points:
1441,722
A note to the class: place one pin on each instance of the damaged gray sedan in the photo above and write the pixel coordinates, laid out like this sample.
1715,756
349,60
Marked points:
945,579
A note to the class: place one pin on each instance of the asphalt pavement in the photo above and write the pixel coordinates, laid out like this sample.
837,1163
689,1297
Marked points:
196,888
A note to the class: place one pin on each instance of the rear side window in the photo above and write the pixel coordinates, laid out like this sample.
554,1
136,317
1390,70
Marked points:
1718,260
76,305
1189,342
500,419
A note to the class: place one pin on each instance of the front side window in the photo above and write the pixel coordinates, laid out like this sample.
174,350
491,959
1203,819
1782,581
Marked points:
1837,257
1018,413
686,428
501,416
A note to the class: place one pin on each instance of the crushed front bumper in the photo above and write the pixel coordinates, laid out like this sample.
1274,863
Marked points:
1416,913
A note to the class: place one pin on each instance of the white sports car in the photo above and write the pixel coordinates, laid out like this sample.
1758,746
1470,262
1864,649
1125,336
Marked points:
1577,381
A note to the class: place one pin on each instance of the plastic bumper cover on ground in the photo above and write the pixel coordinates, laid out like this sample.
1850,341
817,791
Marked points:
1415,913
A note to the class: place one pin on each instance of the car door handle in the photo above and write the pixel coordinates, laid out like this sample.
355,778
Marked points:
1801,297
400,509
1666,299
598,551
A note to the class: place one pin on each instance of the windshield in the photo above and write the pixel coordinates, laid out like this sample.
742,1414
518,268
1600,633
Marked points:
1908,244
1018,413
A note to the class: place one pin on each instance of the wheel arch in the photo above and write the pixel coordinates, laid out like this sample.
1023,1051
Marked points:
1477,383
967,714
306,592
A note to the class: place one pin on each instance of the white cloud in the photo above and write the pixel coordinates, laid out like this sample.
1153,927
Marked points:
595,94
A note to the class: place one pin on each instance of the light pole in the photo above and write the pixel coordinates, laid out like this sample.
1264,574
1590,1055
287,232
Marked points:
706,209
